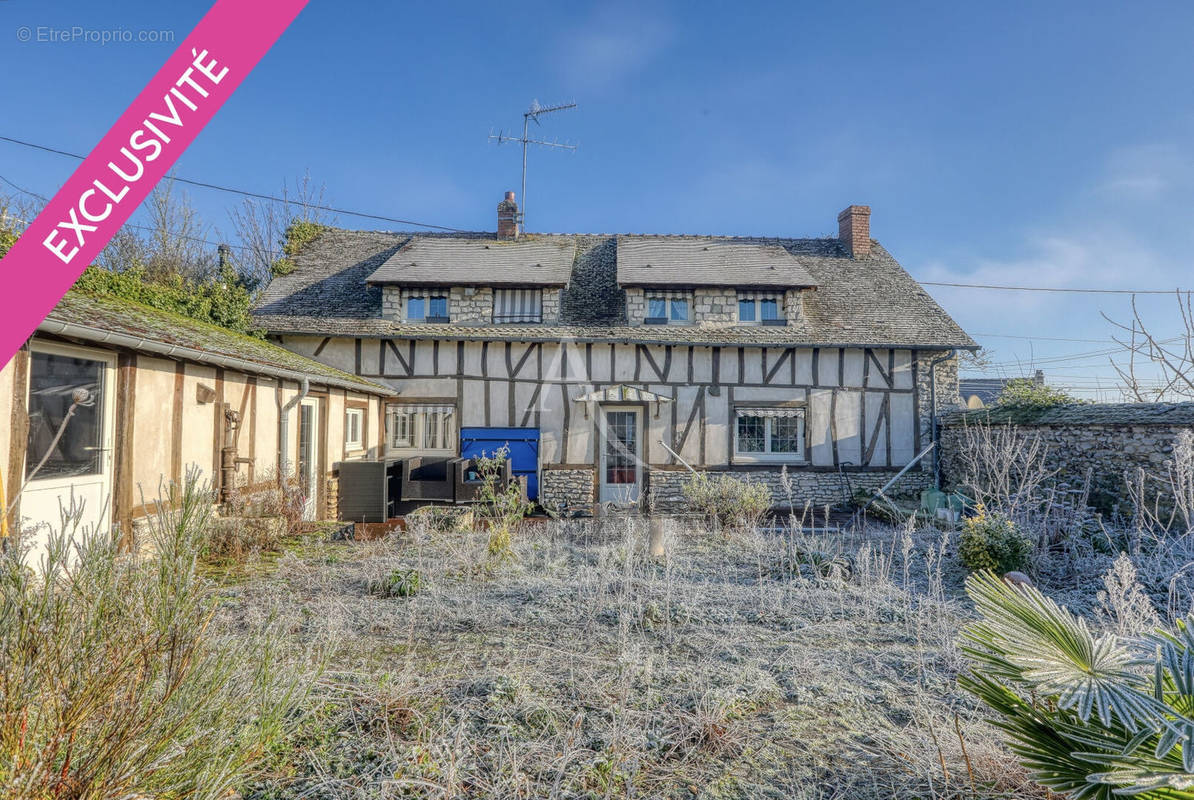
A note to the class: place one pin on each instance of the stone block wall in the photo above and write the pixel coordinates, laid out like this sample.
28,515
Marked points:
332,510
715,307
470,305
1090,442
794,306
566,486
818,488
712,307
948,396
551,306
391,302
636,306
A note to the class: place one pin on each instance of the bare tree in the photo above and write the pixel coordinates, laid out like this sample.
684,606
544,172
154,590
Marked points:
974,360
261,225
126,250
1173,358
177,238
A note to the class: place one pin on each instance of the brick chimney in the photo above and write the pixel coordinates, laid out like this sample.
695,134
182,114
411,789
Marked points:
854,230
508,218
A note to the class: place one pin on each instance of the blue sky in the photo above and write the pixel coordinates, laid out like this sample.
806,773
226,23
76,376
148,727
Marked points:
1015,143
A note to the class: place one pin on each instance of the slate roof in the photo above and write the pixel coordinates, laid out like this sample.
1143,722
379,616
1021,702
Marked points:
1081,414
868,301
443,261
986,389
96,318
675,261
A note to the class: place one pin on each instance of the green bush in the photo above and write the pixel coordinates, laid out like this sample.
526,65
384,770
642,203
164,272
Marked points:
222,299
1025,393
1089,717
727,500
501,505
404,582
992,542
115,679
300,234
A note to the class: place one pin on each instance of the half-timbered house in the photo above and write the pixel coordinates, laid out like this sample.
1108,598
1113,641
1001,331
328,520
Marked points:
633,358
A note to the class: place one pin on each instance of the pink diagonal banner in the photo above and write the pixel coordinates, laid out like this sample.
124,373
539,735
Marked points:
136,153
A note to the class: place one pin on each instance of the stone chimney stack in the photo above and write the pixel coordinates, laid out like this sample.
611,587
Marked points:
508,218
854,230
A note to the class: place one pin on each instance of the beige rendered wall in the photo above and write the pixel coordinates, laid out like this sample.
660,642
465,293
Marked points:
153,428
6,408
198,420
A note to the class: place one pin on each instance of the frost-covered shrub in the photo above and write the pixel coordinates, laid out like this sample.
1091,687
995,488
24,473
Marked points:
993,542
728,500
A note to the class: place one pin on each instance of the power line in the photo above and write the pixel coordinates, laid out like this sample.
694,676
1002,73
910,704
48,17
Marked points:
417,224
1041,338
257,195
145,228
1052,289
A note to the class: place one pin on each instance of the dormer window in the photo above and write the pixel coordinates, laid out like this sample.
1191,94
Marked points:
425,305
668,308
759,308
518,306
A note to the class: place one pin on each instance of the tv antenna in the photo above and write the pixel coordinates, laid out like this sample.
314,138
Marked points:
533,113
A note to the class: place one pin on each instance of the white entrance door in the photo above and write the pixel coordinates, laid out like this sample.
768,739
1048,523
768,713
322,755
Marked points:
75,477
621,455
308,455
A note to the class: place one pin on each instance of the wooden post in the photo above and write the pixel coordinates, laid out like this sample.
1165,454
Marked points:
655,526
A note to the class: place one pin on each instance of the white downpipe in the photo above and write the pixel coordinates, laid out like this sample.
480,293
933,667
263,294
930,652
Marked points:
284,435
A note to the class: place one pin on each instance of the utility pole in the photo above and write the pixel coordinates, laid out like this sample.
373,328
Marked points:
533,113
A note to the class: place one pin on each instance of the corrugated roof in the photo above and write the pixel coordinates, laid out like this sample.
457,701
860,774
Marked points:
530,261
868,301
666,260
621,393
94,318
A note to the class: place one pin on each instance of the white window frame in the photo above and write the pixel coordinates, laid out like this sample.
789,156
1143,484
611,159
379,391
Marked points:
668,297
426,295
415,419
757,298
769,414
505,297
399,429
354,440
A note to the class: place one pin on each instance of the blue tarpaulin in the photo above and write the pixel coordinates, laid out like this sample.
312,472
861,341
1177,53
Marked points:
523,444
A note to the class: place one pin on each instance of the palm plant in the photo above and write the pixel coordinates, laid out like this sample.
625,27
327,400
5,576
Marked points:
1091,716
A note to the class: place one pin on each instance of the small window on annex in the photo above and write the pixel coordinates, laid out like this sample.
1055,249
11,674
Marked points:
668,308
423,428
354,429
426,305
769,434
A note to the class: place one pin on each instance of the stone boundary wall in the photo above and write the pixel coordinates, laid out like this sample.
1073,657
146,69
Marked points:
575,486
820,488
568,486
1105,440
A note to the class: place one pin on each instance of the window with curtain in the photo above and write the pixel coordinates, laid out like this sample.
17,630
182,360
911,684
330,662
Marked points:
769,434
757,308
424,428
518,305
426,305
668,308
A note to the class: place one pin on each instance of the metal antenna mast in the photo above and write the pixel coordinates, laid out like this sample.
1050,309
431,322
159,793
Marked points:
533,113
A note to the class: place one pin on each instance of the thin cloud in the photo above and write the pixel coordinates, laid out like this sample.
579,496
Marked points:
614,43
